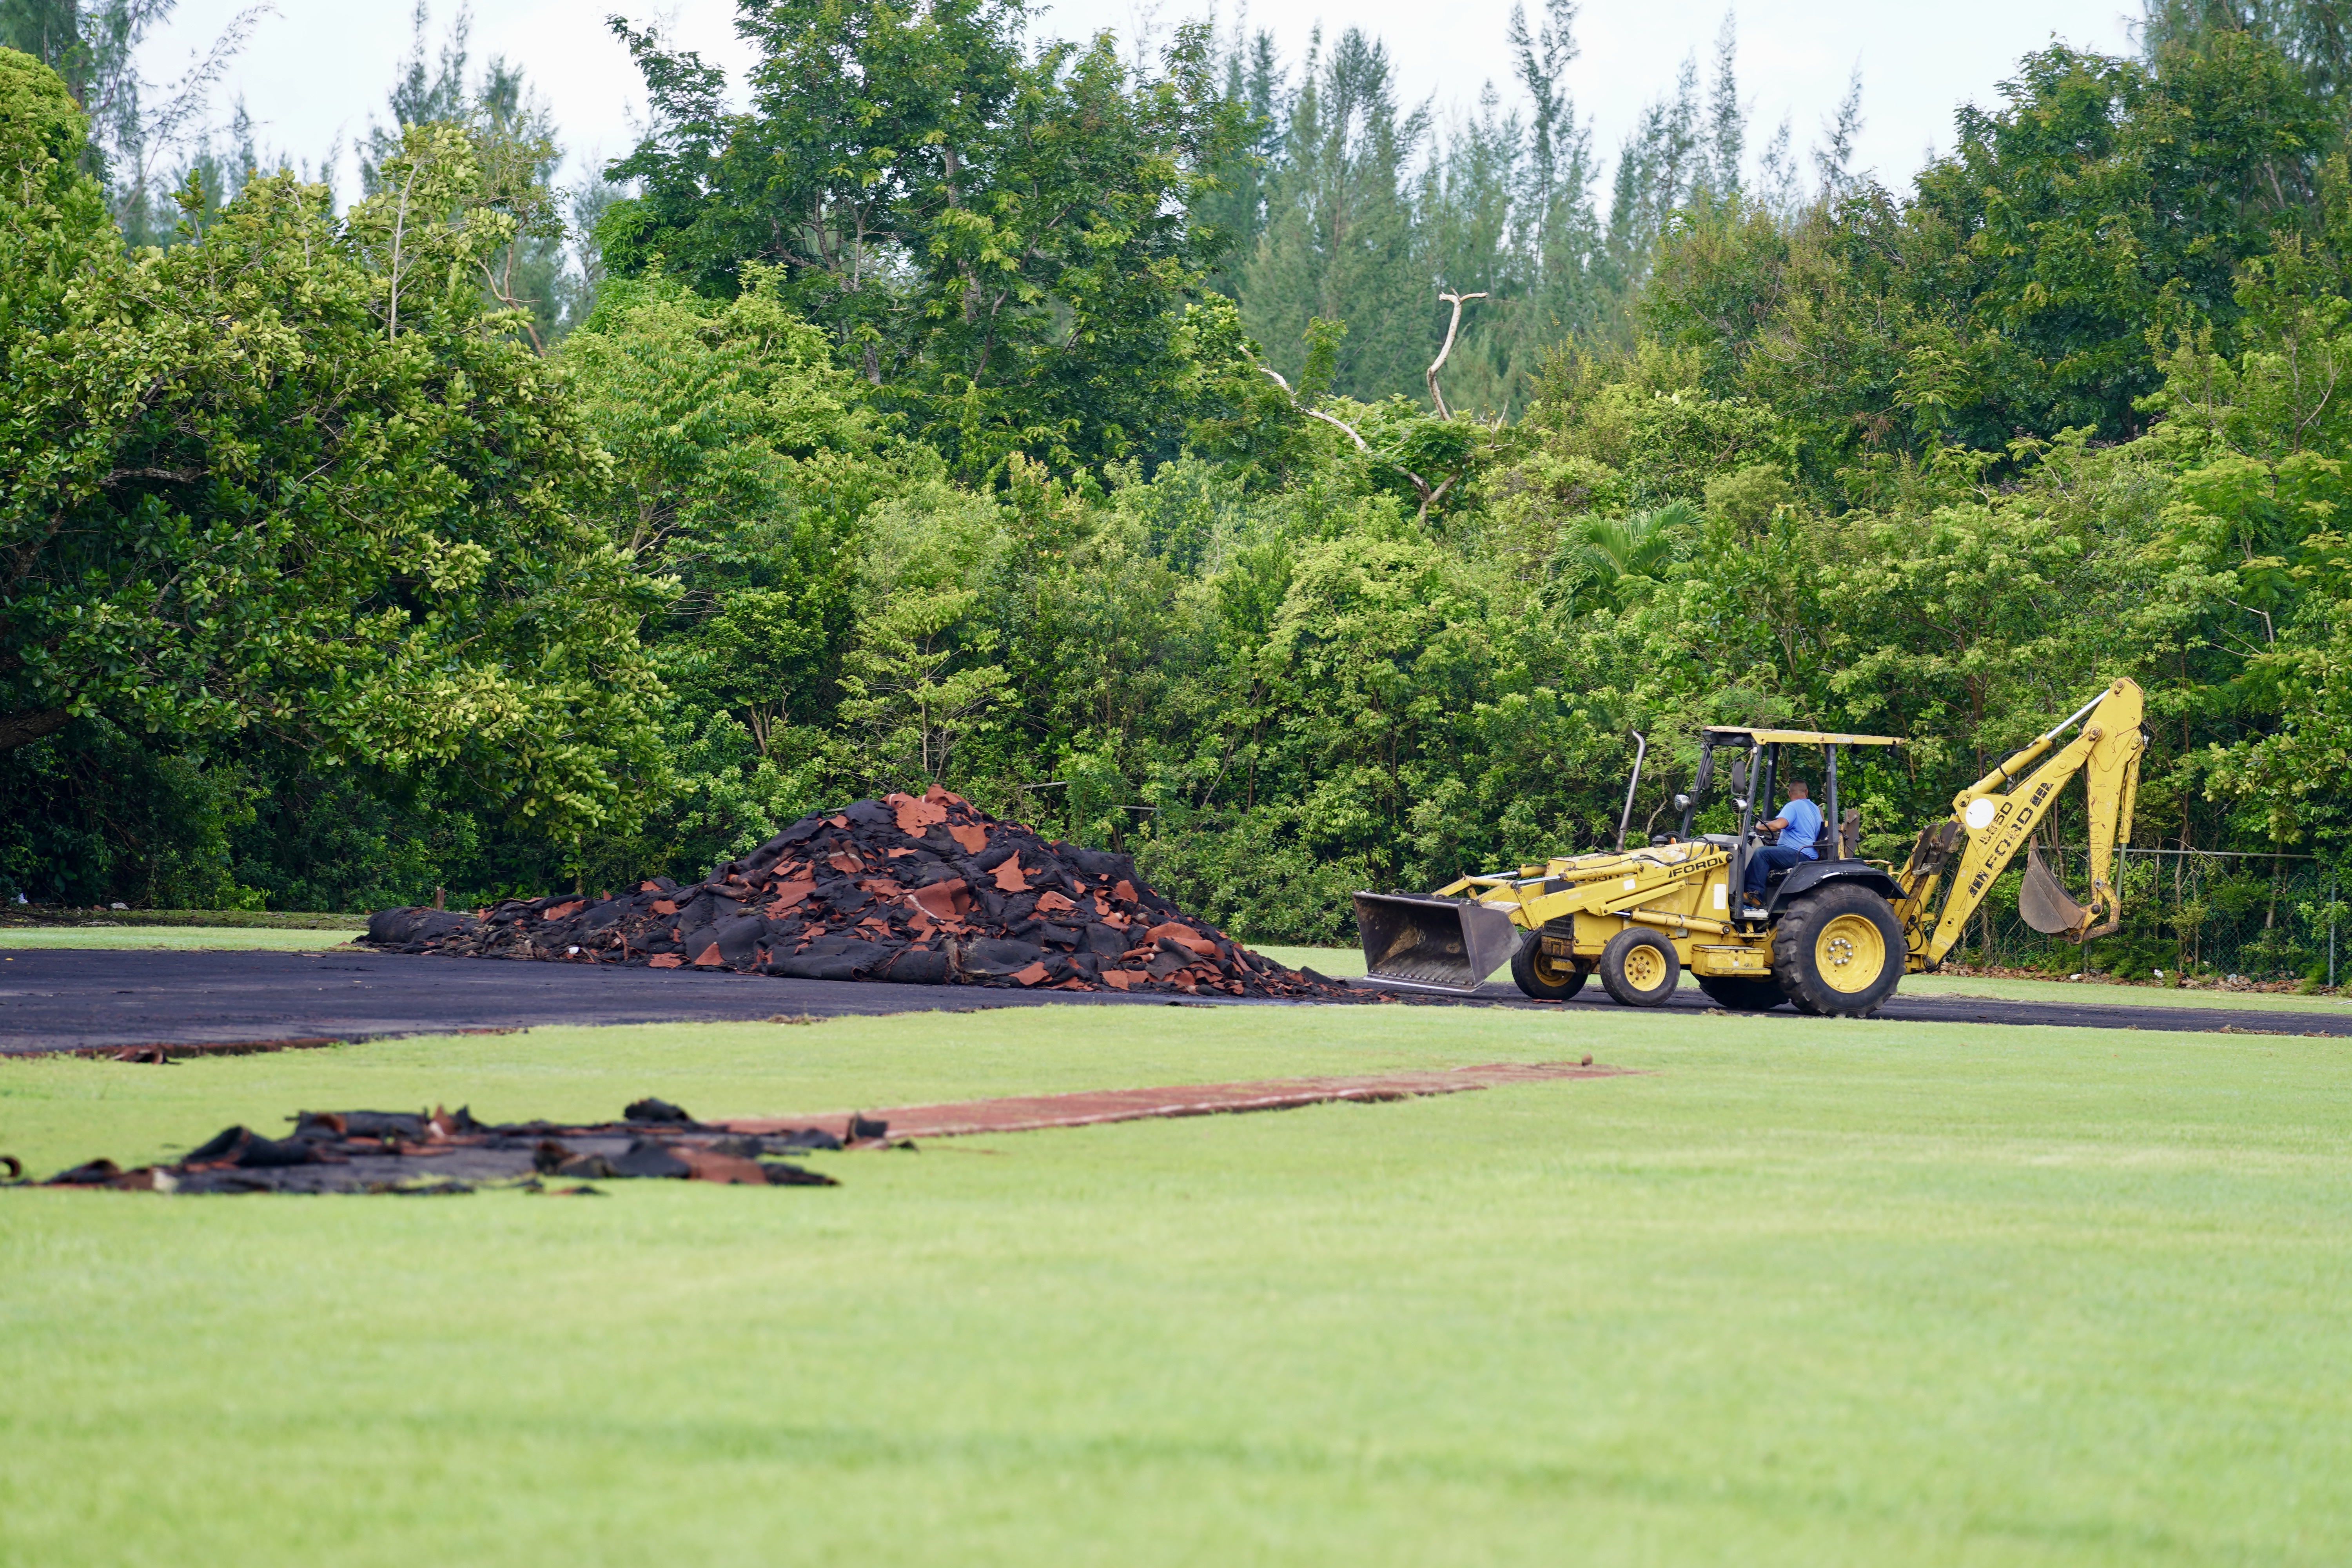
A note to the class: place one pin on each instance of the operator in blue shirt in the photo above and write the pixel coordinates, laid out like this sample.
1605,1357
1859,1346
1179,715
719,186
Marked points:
1800,824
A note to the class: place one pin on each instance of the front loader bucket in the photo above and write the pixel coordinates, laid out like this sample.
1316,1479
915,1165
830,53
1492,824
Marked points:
2044,902
1441,944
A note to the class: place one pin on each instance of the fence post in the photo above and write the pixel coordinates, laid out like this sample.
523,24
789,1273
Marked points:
2331,930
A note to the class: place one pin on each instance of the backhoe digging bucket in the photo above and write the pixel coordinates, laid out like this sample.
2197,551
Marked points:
1440,945
2044,902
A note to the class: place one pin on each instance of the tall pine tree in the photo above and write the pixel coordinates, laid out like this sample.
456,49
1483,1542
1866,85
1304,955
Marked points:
1339,241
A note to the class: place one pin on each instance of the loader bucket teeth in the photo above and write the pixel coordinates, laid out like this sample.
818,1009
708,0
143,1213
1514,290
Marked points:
1439,944
2045,903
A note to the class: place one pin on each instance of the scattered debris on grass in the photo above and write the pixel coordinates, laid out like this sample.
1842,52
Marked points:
926,892
164,1053
449,1151
424,1152
2159,979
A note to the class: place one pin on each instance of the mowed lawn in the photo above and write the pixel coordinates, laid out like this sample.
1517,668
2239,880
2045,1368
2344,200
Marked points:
1801,1293
133,939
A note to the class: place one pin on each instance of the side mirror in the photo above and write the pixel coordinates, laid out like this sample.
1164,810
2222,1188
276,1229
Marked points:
1739,774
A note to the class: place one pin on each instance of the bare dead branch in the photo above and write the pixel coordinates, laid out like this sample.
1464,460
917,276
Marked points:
1452,326
1361,445
1430,498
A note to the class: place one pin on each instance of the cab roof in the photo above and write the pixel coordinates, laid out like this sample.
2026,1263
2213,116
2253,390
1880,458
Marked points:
1719,733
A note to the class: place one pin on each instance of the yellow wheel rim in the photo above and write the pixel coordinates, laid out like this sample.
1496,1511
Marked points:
1850,953
1645,968
1553,971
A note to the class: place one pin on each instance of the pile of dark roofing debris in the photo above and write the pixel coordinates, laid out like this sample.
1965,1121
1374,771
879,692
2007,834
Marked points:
926,891
440,1150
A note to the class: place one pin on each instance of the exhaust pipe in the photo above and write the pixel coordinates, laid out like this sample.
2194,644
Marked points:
1434,944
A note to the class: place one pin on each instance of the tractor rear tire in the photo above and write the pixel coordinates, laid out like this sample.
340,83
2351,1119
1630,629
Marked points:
1838,952
1639,968
1742,994
1546,979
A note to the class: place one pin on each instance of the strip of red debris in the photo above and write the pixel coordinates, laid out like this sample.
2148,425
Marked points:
1022,1113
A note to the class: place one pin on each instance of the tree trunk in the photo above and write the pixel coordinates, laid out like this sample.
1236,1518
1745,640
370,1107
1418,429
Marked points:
20,729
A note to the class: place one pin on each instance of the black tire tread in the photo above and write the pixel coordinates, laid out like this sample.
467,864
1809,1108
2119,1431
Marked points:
1613,968
1524,975
1793,947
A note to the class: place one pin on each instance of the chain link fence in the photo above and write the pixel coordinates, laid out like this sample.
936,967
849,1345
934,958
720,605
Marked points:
2204,912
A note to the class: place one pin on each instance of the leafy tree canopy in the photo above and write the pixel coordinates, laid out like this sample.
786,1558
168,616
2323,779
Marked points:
292,477
2016,291
997,240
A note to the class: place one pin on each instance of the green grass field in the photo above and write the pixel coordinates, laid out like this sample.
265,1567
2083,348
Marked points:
1804,1292
130,938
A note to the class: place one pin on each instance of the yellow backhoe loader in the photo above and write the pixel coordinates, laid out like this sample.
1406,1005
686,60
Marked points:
1830,936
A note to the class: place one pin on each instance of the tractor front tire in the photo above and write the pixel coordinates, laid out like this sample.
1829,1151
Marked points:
1742,995
1838,952
1543,978
1639,968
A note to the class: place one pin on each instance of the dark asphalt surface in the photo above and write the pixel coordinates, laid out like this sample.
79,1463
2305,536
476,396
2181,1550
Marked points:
80,998
85,999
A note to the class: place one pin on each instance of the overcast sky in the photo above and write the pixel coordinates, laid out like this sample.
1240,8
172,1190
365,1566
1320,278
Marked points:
318,68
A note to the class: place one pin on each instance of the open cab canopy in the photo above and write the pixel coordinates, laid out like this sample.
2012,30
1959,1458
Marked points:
1726,734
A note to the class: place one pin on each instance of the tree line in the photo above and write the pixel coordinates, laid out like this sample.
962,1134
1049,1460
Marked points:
1071,430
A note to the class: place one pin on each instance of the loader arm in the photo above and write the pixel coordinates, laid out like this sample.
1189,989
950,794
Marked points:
1994,817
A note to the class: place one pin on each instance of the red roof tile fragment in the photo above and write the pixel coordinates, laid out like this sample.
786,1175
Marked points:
708,1165
915,815
945,900
1182,936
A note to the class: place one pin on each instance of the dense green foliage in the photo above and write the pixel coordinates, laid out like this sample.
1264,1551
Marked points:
997,240
290,486
1008,416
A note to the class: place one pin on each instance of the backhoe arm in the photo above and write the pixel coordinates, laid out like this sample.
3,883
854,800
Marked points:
1993,825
